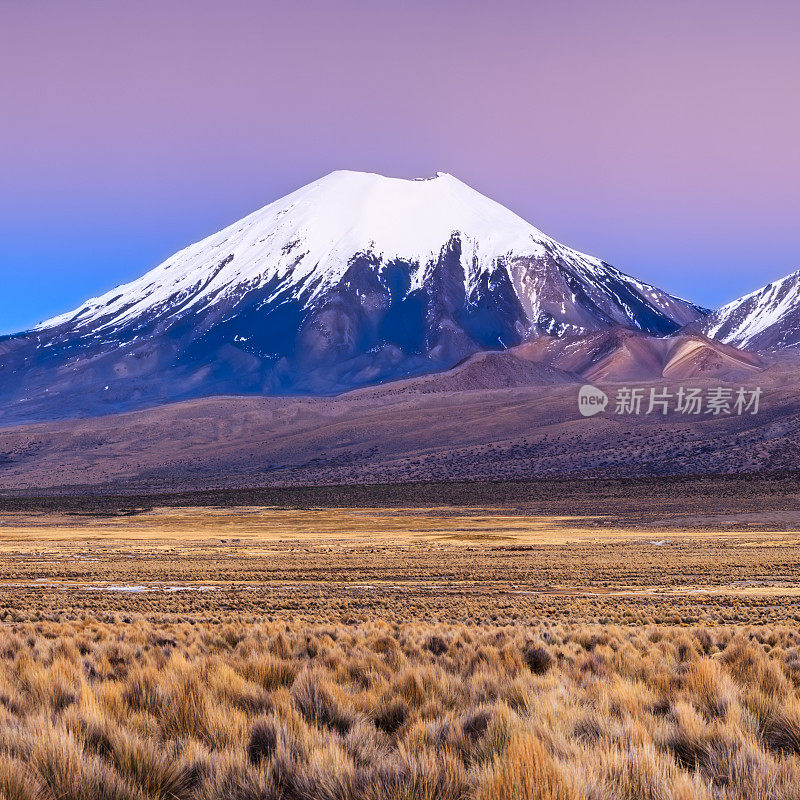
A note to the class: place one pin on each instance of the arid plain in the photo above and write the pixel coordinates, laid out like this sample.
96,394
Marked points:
608,639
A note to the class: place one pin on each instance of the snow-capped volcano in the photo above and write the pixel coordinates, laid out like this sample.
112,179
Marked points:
353,279
766,319
302,246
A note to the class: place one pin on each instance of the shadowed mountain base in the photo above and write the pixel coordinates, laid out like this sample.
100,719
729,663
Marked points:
417,430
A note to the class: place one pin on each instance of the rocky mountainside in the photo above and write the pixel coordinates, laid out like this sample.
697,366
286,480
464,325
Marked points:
767,319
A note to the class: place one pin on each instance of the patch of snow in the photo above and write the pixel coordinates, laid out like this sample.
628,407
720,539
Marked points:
125,588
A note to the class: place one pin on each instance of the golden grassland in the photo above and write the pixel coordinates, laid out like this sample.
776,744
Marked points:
396,653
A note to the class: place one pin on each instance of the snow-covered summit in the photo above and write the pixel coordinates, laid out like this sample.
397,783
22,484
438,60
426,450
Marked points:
306,241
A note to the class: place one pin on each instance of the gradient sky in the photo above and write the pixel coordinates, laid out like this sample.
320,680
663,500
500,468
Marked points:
662,137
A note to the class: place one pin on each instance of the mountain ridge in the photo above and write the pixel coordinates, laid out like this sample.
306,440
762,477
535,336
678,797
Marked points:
766,319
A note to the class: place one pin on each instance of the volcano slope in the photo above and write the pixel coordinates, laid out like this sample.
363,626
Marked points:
418,430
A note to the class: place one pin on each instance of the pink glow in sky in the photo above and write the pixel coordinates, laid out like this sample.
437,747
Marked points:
663,137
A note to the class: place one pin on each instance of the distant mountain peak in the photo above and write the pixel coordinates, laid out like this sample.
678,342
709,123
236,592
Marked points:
766,319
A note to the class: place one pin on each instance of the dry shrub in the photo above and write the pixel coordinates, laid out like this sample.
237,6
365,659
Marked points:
318,701
437,645
427,775
750,667
711,690
269,672
526,771
16,781
782,730
69,773
232,689
627,772
537,658
367,745
263,740
500,731
390,715
157,769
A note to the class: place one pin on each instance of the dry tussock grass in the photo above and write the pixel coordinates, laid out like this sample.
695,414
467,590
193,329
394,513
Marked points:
322,669
556,711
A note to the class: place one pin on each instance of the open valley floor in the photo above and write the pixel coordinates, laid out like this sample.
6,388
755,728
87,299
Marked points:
507,641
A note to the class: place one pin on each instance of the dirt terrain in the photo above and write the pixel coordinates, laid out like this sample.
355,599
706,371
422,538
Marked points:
695,549
399,433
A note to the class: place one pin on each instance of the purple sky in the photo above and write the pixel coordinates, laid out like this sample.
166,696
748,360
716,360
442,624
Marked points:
663,137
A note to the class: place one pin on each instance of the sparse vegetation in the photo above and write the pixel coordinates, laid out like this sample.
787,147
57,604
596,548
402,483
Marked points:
336,665
94,709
